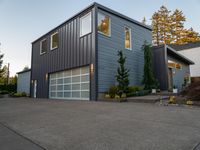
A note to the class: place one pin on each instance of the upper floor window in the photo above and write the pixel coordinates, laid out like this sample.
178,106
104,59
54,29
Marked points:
103,24
43,46
54,40
86,24
127,38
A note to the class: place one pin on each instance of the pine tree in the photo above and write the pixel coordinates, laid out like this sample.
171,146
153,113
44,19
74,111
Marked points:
122,76
148,77
156,29
178,20
165,25
144,21
190,36
168,28
2,70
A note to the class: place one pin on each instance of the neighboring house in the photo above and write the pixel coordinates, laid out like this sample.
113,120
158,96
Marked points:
170,67
78,59
191,51
23,81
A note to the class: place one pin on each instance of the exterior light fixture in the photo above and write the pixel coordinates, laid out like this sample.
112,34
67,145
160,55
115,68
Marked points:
92,68
46,76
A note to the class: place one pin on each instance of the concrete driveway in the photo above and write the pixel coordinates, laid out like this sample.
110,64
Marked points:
84,125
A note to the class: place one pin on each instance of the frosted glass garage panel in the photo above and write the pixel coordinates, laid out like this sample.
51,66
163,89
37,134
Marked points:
71,84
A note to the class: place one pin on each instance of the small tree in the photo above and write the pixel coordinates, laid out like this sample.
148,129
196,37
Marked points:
148,77
122,74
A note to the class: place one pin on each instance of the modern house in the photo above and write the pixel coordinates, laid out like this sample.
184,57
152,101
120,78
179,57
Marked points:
23,81
170,67
78,59
191,51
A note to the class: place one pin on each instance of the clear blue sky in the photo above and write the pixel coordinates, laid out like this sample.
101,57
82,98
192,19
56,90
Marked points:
23,21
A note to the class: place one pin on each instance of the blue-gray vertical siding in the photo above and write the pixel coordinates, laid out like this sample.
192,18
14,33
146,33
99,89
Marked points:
23,82
108,48
179,74
73,51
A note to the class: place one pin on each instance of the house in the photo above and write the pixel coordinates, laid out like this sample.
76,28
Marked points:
23,81
78,59
191,51
170,67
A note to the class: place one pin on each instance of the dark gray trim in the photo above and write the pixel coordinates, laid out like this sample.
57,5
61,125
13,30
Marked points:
178,55
24,71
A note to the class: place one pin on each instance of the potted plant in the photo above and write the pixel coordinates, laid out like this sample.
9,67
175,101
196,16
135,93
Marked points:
175,90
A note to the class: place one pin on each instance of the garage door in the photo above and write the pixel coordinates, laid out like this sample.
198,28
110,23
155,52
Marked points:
70,84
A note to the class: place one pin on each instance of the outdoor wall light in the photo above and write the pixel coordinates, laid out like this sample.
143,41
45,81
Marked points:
92,68
46,76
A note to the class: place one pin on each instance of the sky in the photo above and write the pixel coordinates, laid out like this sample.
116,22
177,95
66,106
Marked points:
23,21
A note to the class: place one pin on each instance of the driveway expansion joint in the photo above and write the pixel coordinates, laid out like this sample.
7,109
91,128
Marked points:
22,136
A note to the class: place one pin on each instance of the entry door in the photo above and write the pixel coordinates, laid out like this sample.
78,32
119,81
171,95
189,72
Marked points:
35,89
170,78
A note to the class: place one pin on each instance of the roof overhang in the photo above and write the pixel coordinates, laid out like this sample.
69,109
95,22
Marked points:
177,55
24,71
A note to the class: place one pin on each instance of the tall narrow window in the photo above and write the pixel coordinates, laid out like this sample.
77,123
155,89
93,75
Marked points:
85,24
54,40
128,38
43,46
103,24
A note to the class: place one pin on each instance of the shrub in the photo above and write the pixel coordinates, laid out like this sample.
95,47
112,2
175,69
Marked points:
4,92
19,94
138,93
172,100
9,87
132,89
113,90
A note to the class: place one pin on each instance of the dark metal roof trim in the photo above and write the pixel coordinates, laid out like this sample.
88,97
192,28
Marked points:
176,54
101,7
23,71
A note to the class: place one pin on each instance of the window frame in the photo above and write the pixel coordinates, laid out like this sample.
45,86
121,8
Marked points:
51,40
109,35
81,18
41,53
130,32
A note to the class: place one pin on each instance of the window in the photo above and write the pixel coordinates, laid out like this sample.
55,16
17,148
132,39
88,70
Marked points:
54,40
127,38
103,24
85,24
43,46
172,64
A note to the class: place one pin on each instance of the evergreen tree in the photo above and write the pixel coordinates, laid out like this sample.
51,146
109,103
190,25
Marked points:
148,77
2,70
144,21
165,22
177,26
122,76
156,28
168,28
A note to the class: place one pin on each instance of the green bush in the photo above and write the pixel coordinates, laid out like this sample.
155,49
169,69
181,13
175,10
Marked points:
19,94
139,93
132,89
4,92
113,90
9,87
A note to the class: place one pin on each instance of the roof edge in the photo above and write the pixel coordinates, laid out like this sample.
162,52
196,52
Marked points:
95,4
24,71
180,55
